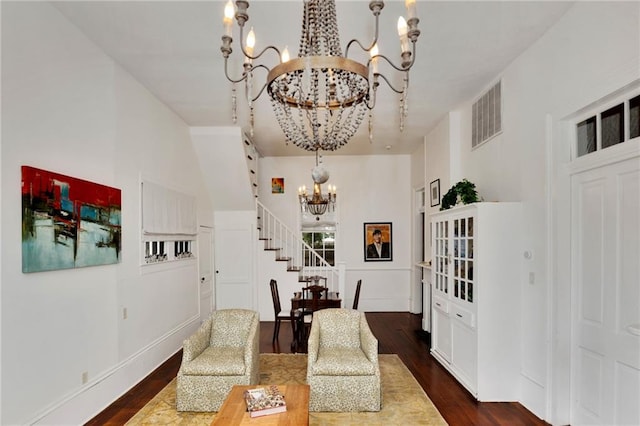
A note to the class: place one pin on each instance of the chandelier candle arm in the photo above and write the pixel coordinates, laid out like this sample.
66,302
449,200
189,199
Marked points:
226,73
400,92
376,7
408,58
248,47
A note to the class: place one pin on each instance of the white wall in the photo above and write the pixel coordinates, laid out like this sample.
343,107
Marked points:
70,109
370,189
437,166
592,51
221,157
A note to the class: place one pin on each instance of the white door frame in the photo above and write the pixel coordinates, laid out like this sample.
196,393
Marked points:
417,283
560,141
206,276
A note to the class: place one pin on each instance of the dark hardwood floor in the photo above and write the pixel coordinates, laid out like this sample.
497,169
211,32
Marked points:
397,332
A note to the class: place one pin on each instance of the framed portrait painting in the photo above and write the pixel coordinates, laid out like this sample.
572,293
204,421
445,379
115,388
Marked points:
378,242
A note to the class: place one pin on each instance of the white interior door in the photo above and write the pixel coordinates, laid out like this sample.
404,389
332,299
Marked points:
606,295
205,271
233,266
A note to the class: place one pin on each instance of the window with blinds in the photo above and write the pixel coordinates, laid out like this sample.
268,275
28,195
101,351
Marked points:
169,224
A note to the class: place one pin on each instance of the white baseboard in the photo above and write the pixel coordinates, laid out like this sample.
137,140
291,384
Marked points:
85,403
533,395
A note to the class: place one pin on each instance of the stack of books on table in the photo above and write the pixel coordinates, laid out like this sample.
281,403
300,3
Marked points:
265,400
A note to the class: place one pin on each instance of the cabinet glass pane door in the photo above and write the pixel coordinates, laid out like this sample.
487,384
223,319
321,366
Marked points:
441,266
462,274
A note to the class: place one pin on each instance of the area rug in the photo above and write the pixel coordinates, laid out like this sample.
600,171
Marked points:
404,402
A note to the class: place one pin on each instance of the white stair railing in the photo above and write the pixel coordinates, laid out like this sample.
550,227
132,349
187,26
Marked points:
300,256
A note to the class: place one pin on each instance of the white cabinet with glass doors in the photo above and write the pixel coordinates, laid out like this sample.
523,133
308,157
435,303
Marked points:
476,251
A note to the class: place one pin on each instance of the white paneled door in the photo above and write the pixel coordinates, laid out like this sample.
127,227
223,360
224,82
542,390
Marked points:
606,295
234,260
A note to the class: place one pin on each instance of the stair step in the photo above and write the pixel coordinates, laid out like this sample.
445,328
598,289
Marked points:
264,239
283,259
294,269
272,248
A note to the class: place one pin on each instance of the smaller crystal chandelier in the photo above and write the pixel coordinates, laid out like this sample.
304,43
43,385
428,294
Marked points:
318,204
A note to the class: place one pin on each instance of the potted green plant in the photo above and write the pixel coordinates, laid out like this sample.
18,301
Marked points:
462,192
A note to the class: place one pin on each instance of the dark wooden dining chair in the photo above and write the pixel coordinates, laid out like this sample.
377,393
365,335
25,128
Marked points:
356,298
317,292
279,316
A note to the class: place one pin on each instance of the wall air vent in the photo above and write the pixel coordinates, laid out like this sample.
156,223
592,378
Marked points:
487,116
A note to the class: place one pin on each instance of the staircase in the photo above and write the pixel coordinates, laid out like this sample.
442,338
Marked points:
289,247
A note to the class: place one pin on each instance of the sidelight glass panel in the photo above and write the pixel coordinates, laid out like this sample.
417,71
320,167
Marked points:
455,288
586,136
634,117
612,126
470,292
470,253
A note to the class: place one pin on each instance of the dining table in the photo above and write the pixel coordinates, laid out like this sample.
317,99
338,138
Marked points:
311,299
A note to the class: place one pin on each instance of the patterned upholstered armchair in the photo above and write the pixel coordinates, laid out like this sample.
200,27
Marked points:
342,366
222,353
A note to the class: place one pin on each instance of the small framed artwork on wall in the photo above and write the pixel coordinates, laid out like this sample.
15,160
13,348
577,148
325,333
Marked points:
277,185
435,193
378,242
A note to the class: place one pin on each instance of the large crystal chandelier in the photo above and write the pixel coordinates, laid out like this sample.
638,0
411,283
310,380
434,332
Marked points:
318,204
321,97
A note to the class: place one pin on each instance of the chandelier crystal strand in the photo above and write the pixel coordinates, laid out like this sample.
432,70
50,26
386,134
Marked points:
248,90
404,101
330,92
234,104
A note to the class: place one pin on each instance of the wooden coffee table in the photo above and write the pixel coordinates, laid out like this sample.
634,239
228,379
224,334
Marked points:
234,409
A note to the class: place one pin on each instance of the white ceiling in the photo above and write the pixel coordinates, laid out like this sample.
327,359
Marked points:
173,48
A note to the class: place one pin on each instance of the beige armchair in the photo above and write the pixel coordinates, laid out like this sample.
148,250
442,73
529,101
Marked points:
222,353
342,366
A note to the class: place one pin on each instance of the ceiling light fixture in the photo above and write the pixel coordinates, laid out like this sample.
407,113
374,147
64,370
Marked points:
318,204
321,97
